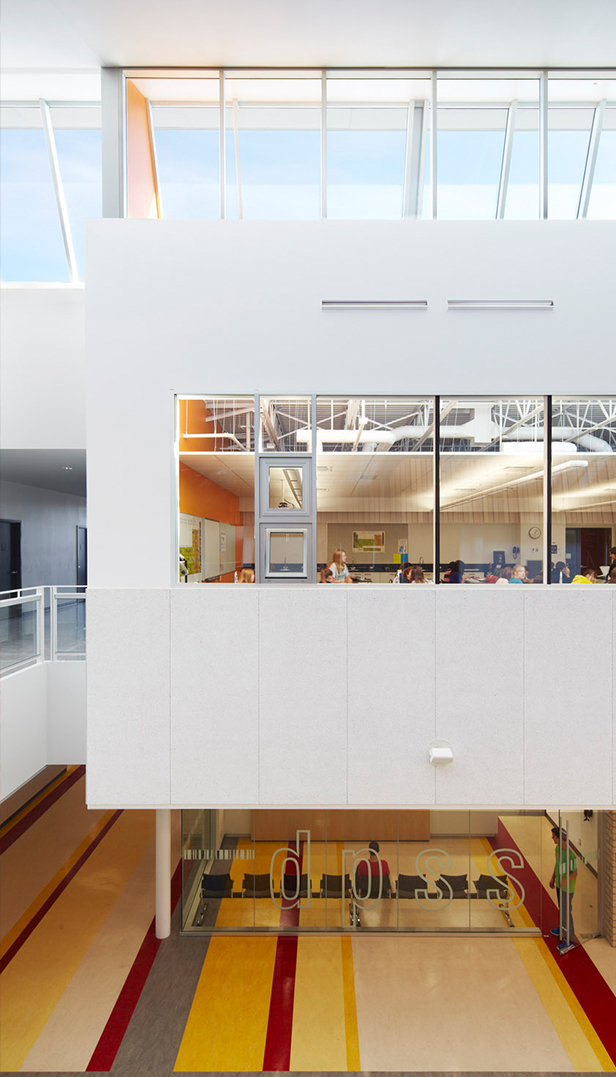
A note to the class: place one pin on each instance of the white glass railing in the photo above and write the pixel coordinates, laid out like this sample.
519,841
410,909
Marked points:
40,624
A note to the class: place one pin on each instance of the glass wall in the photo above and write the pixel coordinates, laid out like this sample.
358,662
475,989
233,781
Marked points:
491,489
187,145
273,148
374,487
583,488
357,145
39,189
343,489
376,143
216,482
487,148
32,247
381,870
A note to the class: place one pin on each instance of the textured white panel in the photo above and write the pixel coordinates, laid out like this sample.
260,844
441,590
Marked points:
568,656
128,698
302,695
479,694
214,697
391,694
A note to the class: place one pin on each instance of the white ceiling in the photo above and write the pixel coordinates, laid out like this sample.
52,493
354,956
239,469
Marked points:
391,482
63,470
57,38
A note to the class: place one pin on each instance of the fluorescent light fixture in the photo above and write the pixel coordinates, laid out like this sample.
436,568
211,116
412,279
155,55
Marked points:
374,304
500,304
512,483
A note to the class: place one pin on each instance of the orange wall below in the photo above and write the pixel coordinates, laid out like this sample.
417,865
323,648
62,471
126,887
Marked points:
199,496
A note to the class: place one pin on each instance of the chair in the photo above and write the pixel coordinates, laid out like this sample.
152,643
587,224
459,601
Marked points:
458,883
288,887
213,887
256,886
408,885
487,882
332,886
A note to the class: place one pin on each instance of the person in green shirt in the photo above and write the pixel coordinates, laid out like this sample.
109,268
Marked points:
565,888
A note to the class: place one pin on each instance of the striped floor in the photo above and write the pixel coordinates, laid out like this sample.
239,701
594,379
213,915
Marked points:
86,987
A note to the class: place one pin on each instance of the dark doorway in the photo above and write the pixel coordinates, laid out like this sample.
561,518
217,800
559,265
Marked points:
82,556
587,546
10,555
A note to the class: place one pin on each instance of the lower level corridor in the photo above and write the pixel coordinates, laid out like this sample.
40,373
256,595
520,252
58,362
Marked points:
86,987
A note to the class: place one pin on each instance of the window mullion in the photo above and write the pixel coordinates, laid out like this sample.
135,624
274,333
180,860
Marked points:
591,159
58,187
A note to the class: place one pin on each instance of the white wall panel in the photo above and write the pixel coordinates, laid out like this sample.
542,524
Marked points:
261,677
128,698
302,696
233,306
480,694
214,695
23,730
42,368
391,694
66,712
568,695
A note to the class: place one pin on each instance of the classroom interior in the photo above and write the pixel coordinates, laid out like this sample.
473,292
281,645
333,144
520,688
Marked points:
373,476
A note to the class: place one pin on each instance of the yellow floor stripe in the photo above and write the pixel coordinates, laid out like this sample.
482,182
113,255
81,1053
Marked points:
38,975
350,1006
227,1025
7,827
319,1004
41,898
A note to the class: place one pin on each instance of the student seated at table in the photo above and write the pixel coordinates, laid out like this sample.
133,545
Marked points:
585,575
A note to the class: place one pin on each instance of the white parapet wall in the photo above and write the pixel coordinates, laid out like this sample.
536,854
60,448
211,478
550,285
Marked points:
257,696
43,721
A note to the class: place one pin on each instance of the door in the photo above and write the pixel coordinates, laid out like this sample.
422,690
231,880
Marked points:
82,556
10,555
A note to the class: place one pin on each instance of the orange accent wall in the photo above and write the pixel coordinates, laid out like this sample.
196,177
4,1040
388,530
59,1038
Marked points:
199,496
142,201
194,416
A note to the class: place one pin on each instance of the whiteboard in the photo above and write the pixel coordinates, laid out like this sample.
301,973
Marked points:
210,548
227,547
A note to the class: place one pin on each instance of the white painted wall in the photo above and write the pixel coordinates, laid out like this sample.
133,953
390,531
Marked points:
42,368
223,306
23,731
48,531
253,697
66,712
43,721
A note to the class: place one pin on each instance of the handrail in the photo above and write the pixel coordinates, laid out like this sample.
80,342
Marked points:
46,640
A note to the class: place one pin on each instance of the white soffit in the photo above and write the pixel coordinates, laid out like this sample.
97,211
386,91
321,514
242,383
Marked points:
78,35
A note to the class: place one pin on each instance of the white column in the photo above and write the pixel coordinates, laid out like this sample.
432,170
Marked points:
163,873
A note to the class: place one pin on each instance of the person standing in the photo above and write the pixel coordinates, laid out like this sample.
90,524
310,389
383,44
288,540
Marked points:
563,882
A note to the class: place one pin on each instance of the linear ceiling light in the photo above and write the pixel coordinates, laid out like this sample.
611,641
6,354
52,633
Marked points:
500,304
489,490
374,304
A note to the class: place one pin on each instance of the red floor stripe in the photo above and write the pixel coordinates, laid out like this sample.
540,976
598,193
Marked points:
277,1054
120,1017
582,975
35,813
53,897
